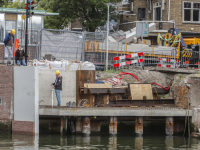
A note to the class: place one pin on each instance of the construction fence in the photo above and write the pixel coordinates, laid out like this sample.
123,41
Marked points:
92,47
163,59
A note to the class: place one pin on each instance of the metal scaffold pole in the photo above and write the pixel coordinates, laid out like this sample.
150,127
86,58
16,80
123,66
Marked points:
107,40
26,35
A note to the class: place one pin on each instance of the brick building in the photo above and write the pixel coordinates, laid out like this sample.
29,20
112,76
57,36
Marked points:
186,14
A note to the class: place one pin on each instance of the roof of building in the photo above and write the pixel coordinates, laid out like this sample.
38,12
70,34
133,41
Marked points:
19,11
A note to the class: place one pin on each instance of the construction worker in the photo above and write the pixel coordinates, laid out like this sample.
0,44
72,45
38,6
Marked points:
8,41
19,57
57,86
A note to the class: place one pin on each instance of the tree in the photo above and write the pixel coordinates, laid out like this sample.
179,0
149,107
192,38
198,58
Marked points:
91,13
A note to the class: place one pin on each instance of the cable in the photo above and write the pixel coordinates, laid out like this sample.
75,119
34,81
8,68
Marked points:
126,73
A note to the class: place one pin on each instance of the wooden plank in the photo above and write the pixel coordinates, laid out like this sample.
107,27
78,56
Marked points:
105,99
83,76
95,85
138,91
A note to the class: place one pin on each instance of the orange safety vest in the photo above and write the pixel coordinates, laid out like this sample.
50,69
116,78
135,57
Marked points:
16,46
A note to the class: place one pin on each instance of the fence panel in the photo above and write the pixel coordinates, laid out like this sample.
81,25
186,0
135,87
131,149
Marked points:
62,44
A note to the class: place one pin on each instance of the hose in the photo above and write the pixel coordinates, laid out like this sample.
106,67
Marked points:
131,74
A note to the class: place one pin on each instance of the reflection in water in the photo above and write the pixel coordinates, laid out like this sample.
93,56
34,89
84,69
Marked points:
78,142
112,143
138,143
169,142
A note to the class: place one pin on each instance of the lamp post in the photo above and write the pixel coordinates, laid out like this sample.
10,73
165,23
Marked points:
108,4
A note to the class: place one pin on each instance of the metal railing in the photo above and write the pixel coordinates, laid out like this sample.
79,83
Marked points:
170,59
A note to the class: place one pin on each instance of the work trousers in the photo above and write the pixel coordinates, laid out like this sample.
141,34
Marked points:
58,96
22,63
9,49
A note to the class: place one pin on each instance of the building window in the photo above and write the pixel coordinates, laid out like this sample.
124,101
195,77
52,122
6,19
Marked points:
141,14
191,12
0,101
157,11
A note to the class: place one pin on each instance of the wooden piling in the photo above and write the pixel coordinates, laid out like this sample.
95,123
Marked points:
139,125
169,126
79,125
113,125
61,124
65,123
86,126
72,125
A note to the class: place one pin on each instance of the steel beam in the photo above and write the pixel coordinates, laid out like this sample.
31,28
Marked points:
117,90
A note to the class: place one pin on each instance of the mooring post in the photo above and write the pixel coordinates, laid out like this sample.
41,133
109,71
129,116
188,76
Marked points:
139,125
79,125
113,125
61,124
169,126
86,126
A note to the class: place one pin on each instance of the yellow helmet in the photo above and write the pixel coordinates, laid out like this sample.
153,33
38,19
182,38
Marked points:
13,31
57,72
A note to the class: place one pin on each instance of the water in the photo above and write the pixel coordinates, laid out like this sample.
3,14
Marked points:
101,142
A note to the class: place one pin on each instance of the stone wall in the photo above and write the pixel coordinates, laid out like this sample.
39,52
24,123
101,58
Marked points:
186,90
23,127
6,95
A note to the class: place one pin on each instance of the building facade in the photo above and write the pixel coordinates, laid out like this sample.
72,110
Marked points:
185,14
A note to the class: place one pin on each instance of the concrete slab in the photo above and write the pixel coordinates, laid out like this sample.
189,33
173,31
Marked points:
113,112
47,77
173,70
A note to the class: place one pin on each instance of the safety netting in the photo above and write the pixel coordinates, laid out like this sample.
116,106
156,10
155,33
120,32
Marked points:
63,45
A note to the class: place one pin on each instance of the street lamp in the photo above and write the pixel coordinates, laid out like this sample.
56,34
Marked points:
108,4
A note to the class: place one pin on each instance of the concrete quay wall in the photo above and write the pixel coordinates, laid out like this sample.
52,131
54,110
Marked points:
113,112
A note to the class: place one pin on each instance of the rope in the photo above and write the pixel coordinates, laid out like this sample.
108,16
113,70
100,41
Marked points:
71,63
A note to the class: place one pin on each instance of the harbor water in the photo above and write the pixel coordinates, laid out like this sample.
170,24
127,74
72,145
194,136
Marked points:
104,142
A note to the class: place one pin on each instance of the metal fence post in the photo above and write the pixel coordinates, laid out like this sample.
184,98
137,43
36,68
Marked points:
83,48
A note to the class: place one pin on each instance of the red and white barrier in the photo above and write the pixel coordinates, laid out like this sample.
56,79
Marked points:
128,62
128,56
168,63
168,60
136,56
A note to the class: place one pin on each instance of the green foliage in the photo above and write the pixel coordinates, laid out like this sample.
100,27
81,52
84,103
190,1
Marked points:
55,22
19,4
180,76
113,70
91,13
